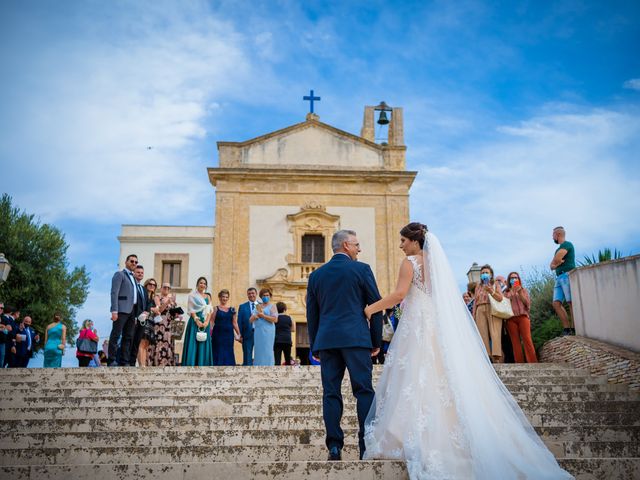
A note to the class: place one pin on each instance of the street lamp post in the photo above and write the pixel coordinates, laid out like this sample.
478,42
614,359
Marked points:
474,273
5,266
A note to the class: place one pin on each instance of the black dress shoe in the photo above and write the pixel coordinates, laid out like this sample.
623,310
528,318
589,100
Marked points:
334,454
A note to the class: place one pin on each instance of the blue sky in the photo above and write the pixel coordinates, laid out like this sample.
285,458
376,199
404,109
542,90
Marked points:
519,116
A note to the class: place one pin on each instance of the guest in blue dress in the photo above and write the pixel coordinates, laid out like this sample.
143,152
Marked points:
264,320
196,351
55,337
225,331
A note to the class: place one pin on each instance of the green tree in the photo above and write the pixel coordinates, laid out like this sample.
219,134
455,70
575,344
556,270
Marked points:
545,325
40,282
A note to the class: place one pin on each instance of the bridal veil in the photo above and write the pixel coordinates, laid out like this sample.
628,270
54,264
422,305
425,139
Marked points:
440,405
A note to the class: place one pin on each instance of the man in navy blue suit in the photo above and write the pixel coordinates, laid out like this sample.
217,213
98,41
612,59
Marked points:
340,334
246,327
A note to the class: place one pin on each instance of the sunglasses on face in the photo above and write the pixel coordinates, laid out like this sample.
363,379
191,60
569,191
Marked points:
153,285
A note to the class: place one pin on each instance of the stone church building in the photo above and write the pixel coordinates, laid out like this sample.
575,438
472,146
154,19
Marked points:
279,199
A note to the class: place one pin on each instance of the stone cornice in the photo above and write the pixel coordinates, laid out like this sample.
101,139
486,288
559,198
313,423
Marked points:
310,175
148,239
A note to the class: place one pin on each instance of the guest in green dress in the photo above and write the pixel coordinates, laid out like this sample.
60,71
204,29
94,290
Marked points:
198,352
55,337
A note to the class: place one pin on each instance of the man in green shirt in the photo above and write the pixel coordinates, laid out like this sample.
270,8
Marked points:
564,260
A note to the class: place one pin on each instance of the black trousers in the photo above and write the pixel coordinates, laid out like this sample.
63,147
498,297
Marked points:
332,366
123,327
279,349
83,361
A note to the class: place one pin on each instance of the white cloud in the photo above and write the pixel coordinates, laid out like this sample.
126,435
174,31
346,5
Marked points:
497,202
632,84
82,132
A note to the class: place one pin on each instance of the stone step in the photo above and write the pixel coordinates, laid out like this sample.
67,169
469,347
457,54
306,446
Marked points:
591,445
224,416
589,469
75,455
89,398
69,390
592,432
539,368
146,454
582,469
214,406
143,374
120,382
527,406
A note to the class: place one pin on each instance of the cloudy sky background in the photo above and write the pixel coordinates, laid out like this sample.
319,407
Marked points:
518,116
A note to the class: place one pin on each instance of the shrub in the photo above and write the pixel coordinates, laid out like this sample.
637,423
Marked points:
548,329
540,285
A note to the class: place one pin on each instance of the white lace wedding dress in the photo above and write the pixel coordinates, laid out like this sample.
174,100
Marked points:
439,404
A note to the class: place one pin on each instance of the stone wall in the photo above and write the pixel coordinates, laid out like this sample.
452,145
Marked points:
606,304
619,365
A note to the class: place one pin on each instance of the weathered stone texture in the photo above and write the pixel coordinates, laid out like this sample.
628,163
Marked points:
618,364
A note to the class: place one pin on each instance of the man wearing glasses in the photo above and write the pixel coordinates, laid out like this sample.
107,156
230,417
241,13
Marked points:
124,301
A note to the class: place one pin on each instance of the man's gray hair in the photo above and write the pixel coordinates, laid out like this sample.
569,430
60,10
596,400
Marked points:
339,238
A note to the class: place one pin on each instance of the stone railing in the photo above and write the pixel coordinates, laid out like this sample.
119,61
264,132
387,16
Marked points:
618,364
301,271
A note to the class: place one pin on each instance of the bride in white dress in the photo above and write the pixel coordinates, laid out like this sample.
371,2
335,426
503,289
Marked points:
440,405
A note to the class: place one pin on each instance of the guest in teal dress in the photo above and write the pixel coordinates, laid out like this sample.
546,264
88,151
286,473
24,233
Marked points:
55,337
264,320
198,353
225,331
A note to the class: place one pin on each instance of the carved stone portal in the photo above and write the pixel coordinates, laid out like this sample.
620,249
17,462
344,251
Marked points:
290,284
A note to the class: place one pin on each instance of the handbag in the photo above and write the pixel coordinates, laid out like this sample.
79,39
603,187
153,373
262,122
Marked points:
86,345
177,328
501,309
387,329
201,336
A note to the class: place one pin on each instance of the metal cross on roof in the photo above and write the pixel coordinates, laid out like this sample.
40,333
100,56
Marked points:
310,98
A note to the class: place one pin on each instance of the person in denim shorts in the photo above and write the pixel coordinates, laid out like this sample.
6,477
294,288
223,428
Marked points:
564,260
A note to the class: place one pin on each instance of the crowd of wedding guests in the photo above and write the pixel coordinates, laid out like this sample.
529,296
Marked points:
501,306
143,330
146,323
260,325
505,336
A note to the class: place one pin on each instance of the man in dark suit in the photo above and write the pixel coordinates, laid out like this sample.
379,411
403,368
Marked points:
340,334
143,305
9,324
24,338
124,300
246,327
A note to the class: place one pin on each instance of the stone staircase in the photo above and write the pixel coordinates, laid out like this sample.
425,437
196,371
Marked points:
266,423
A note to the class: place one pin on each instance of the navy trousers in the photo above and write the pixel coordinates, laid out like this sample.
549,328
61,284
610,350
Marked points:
333,364
123,327
247,350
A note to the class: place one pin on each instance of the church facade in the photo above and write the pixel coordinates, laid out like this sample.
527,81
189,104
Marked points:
279,199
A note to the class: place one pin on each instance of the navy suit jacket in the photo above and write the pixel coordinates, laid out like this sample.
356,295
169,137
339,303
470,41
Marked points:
244,325
337,293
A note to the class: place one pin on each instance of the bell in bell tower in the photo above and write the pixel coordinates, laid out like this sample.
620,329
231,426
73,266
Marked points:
389,131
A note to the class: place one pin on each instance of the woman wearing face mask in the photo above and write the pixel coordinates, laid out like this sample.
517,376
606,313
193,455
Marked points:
264,321
490,327
519,326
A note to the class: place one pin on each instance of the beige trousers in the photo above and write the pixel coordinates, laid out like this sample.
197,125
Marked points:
490,328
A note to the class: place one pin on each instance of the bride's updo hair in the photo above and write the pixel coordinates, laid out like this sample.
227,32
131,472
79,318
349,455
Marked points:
415,231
